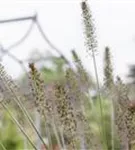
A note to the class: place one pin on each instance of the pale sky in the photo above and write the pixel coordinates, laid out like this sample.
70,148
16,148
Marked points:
61,21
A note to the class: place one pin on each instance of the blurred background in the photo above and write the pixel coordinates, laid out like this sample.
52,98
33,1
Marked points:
61,22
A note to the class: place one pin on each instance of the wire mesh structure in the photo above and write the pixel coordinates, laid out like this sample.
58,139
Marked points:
34,22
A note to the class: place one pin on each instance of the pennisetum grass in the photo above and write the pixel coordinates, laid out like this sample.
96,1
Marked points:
64,111
41,102
91,44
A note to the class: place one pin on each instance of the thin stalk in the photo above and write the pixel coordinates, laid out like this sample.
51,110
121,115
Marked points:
3,147
25,143
55,132
18,125
62,139
49,137
99,97
112,125
56,135
38,126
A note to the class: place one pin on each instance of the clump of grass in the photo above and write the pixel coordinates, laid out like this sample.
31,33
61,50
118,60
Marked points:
65,112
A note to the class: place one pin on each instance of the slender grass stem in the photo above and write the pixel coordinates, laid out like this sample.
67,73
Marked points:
112,125
56,135
49,137
100,99
62,139
3,147
55,131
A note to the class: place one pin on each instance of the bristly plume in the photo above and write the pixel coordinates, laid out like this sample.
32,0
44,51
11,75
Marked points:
78,101
121,91
8,87
89,28
120,108
66,116
124,116
72,85
37,87
108,71
74,91
83,76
